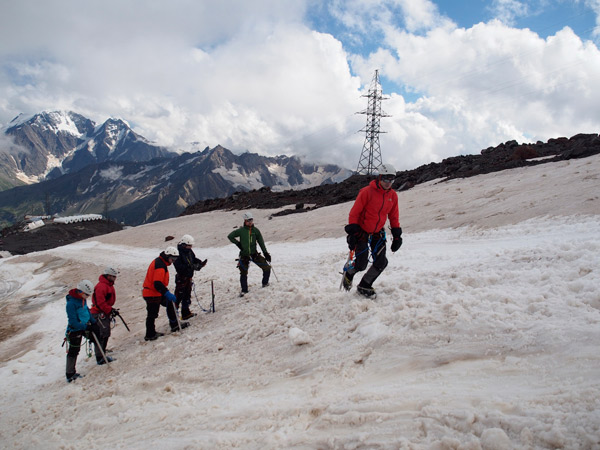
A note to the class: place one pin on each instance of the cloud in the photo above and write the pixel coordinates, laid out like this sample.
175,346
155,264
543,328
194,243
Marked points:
507,11
258,76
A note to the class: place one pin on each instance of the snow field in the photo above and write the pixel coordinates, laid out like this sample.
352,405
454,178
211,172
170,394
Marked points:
480,338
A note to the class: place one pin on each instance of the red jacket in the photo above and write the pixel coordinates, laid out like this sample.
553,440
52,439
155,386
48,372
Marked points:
373,206
104,296
157,278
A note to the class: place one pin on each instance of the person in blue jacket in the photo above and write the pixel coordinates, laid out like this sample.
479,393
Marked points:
80,324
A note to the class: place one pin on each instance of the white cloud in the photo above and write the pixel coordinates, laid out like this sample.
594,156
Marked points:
254,76
508,10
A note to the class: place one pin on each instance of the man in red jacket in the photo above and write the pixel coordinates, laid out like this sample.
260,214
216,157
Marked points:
374,205
103,300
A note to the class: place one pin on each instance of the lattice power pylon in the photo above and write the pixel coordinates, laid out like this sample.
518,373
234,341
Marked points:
370,157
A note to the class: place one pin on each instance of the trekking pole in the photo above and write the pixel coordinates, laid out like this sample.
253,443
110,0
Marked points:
212,288
99,347
272,270
176,315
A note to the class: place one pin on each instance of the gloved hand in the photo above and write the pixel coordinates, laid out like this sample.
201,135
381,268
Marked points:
170,297
238,245
355,232
397,239
268,256
114,312
200,265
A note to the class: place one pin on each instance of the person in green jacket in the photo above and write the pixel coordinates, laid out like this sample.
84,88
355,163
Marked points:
245,238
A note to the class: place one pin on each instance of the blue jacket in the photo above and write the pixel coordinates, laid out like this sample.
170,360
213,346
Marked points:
77,312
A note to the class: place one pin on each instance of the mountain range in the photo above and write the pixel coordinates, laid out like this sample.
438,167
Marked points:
67,164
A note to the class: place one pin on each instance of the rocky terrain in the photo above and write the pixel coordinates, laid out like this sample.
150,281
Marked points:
18,242
505,156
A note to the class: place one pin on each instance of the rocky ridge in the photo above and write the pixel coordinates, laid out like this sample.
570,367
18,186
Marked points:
505,156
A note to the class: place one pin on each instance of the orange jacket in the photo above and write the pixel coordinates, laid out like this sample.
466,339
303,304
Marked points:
373,206
157,278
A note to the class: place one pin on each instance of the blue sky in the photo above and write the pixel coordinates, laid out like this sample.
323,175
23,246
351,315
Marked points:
278,77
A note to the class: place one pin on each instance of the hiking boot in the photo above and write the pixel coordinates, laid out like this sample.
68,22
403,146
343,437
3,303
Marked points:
183,325
265,284
365,291
154,337
242,293
346,283
100,362
188,315
73,377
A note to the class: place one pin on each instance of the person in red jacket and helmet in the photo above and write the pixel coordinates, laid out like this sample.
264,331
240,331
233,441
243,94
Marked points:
156,293
374,205
103,300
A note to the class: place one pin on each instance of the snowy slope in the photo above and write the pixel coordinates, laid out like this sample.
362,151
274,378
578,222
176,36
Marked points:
484,334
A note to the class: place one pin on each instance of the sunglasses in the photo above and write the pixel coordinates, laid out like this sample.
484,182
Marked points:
388,179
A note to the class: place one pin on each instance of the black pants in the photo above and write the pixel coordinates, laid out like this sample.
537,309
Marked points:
244,264
102,330
377,244
153,305
183,292
74,343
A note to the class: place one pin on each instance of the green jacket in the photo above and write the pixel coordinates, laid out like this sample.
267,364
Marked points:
248,237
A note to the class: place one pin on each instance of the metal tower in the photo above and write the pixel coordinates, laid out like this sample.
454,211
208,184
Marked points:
370,158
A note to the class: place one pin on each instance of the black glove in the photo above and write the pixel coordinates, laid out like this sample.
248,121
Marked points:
268,256
397,238
355,232
114,312
199,265
238,245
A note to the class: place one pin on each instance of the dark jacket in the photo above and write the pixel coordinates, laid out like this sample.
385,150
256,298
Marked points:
78,313
186,262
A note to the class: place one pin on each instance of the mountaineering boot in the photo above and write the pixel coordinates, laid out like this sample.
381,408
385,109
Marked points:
242,292
366,291
101,361
73,377
183,325
187,314
154,336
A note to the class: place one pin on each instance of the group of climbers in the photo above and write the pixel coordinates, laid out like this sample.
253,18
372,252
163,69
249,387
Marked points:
374,206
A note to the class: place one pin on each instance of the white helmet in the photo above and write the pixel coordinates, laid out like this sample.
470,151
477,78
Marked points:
387,169
171,251
248,216
187,240
86,287
110,270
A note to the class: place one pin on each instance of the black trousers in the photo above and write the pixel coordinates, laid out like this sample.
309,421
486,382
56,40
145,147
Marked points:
74,343
183,292
374,244
244,264
153,305
102,330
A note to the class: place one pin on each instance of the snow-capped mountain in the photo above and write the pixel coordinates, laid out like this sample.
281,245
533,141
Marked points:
50,144
141,192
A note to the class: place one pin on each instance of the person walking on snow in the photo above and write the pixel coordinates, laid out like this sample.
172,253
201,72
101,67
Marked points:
185,265
374,204
245,238
103,300
80,324
156,293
